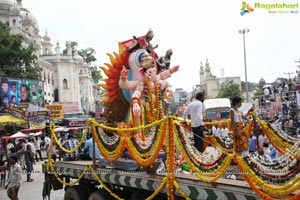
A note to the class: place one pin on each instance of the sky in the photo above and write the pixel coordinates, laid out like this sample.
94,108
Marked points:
195,30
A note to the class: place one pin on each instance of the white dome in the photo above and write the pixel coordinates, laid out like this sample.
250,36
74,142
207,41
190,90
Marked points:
14,8
7,2
28,18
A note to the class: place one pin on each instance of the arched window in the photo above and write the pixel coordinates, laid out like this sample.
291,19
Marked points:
14,22
65,84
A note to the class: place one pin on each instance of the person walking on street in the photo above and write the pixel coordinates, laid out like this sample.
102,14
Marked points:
15,178
29,159
196,111
37,145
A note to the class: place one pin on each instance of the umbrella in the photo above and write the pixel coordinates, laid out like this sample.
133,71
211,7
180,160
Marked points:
36,134
59,129
16,135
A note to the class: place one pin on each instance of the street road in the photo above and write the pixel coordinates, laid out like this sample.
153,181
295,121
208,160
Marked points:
33,190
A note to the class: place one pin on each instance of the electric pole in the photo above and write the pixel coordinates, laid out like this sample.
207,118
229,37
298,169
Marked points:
289,74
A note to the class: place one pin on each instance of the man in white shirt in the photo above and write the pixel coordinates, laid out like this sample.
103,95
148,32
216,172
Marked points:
15,179
196,111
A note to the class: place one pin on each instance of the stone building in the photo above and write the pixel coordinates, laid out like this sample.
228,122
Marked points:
209,84
67,78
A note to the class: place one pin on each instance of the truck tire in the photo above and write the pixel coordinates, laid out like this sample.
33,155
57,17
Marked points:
75,193
100,195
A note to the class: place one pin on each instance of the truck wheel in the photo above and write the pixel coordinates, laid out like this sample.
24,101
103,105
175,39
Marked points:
75,193
100,195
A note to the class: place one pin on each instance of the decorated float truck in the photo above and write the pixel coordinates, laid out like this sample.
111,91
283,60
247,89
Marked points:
146,154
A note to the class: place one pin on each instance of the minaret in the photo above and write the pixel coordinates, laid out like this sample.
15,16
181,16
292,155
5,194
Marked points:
19,2
207,69
46,44
201,72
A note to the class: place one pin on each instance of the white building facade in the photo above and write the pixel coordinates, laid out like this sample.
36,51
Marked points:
67,78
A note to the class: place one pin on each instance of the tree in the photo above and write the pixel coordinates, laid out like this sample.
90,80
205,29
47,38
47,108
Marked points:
17,60
72,44
229,89
88,56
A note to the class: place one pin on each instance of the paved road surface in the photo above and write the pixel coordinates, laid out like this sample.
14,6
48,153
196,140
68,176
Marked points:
33,190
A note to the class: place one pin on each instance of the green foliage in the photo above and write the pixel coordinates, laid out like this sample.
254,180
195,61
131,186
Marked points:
17,60
88,55
72,44
229,89
96,74
259,93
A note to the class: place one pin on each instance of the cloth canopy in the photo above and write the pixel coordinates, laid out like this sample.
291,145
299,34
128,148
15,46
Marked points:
10,120
16,135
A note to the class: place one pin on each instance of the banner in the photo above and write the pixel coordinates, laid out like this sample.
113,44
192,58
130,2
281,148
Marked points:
17,91
37,124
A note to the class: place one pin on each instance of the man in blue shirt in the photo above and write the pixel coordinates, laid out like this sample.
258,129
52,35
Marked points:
252,143
88,150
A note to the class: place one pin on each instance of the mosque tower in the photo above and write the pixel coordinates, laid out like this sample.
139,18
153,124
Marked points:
46,45
201,72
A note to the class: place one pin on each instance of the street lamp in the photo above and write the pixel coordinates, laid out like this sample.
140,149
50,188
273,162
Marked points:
243,31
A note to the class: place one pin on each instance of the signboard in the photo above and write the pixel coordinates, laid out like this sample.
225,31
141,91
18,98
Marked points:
57,110
69,107
17,112
15,91
217,103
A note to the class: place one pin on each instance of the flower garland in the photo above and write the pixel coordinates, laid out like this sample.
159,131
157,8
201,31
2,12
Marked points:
109,156
280,144
144,145
202,175
282,190
102,183
183,194
220,144
275,173
157,102
83,138
283,135
151,112
171,169
195,156
160,188
145,159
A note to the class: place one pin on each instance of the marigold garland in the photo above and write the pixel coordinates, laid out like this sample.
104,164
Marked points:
201,174
277,142
282,190
218,145
254,181
145,159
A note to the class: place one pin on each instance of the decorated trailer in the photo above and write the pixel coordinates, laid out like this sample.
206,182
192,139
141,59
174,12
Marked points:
147,154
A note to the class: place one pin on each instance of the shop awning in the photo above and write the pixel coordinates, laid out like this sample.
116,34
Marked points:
10,120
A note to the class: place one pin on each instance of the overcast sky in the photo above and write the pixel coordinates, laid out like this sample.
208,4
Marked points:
194,29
